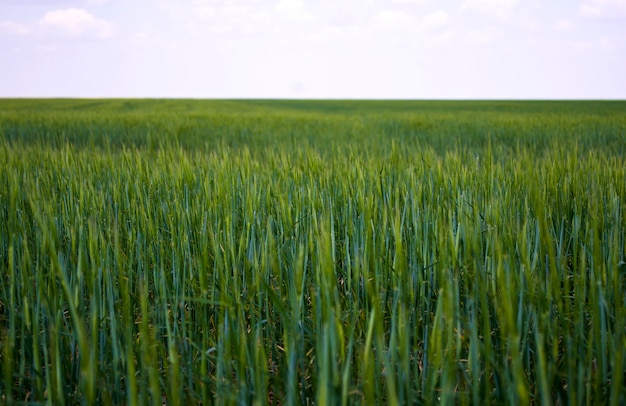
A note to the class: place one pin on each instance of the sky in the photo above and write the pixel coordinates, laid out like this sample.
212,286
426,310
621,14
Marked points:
314,49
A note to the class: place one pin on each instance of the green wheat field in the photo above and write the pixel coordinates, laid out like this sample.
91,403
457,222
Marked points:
312,252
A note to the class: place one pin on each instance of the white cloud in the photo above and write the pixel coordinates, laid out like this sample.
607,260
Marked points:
584,45
395,18
75,22
608,44
587,10
205,11
485,35
410,1
293,10
236,10
145,40
11,27
496,8
436,19
334,33
616,3
563,25
234,19
598,8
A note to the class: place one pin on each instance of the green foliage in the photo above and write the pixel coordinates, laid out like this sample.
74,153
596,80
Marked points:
302,252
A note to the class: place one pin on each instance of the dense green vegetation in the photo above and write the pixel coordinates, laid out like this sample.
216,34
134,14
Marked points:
312,252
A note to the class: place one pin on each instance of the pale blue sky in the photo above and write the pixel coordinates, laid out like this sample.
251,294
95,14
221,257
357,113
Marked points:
416,49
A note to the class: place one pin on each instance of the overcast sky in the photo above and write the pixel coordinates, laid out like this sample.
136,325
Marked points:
400,49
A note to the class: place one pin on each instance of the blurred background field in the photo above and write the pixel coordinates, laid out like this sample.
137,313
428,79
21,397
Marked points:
366,125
